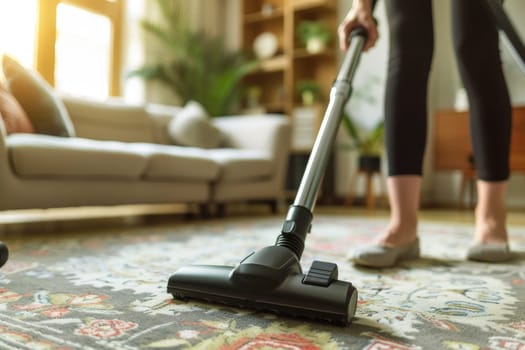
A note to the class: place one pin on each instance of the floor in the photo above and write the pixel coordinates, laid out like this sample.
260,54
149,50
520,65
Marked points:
13,223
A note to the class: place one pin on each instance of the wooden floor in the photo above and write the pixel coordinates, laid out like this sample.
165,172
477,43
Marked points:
13,223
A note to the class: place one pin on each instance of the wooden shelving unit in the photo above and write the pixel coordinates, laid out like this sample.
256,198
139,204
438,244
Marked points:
279,75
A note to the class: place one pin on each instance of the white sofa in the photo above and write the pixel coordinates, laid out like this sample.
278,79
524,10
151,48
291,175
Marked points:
122,154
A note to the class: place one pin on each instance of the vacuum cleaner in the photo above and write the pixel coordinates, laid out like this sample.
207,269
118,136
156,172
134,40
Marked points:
271,279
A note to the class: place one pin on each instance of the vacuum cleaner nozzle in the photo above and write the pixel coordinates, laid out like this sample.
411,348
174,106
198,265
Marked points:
271,279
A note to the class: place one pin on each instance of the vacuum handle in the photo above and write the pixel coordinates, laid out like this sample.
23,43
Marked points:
339,94
361,31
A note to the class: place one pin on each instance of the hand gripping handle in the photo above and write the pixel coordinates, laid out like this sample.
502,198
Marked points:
360,31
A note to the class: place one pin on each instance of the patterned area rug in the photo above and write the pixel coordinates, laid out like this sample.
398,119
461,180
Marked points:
107,290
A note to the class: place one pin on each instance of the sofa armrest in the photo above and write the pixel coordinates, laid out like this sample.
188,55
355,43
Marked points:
266,132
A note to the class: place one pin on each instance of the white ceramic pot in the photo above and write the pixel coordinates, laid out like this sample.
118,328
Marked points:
315,45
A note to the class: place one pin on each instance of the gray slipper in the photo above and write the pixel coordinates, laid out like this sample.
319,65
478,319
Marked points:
489,252
384,256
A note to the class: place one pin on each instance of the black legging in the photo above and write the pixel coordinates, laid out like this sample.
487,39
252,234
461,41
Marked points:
476,45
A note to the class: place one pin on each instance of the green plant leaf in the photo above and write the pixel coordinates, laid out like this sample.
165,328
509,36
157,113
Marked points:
308,29
365,142
351,129
200,67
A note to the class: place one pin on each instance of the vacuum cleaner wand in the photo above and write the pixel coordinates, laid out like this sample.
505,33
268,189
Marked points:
271,279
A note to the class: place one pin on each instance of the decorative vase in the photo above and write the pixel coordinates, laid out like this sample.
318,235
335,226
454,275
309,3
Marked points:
315,45
265,45
461,100
308,98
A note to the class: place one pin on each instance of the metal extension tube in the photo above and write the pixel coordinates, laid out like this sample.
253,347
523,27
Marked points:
339,94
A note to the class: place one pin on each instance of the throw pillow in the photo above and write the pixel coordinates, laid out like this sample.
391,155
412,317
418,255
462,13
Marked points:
14,117
45,110
192,127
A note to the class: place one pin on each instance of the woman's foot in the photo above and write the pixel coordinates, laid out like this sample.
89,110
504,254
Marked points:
489,252
380,256
398,243
490,240
490,236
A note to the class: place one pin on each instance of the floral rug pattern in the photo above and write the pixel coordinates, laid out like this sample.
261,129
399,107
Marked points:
107,290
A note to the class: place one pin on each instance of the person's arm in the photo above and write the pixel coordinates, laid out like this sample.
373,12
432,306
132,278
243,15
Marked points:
360,14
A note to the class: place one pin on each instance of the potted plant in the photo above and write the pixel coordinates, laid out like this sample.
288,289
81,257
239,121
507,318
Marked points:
314,35
368,143
199,67
309,91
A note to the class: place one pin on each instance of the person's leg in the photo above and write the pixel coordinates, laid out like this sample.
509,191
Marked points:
410,57
476,43
491,213
404,193
490,237
399,241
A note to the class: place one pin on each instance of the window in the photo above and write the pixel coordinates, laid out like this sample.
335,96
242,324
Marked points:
78,48
82,52
18,17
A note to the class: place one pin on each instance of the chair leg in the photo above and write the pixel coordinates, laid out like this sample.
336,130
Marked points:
221,210
204,210
370,195
383,189
274,206
350,197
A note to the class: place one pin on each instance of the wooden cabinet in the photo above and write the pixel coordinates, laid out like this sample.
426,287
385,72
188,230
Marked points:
452,146
277,79
453,150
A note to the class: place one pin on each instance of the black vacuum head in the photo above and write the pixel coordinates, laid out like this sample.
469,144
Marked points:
271,280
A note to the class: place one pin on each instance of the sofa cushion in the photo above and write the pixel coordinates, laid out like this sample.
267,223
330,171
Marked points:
112,119
45,110
192,127
242,164
14,117
161,115
169,162
35,155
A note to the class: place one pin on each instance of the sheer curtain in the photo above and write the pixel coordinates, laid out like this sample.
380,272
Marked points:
208,15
